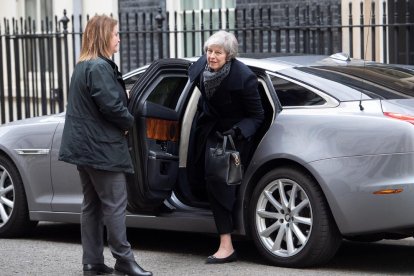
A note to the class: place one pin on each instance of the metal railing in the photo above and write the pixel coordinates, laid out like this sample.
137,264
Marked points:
36,65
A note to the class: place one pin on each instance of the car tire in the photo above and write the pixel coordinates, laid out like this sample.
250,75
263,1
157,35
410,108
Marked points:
292,233
14,214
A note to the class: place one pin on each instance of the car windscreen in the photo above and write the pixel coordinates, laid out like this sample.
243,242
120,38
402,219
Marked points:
375,81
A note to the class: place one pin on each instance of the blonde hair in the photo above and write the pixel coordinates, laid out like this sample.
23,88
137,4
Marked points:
96,37
226,40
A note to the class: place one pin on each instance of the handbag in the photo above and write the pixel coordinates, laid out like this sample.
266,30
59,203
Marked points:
224,165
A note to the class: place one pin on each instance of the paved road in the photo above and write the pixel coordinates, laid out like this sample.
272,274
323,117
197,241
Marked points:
54,249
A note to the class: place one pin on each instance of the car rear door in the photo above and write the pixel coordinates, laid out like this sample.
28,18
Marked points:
156,102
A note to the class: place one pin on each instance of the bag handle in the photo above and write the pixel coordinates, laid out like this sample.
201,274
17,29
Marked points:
225,142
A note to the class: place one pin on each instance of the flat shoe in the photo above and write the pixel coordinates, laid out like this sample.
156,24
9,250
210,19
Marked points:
214,260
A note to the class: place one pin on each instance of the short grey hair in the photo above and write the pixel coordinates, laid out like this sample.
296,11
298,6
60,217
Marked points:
226,40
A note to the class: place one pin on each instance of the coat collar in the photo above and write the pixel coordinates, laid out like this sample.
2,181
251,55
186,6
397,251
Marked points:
232,82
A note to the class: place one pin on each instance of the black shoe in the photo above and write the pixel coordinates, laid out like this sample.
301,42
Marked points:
96,269
130,268
213,260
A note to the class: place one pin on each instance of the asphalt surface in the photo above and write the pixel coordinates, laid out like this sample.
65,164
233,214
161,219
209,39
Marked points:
54,249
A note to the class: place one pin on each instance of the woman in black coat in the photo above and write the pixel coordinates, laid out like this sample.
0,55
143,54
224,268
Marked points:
230,105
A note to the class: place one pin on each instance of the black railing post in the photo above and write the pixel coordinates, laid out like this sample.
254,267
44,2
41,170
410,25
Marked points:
330,30
185,32
297,30
339,28
384,31
17,69
193,33
31,62
306,35
361,27
64,20
269,31
175,34
49,64
244,31
313,32
151,36
351,47
167,43
74,57
227,20
396,32
42,70
25,71
319,34
2,100
252,30
407,32
128,44
261,30
220,19
211,21
287,32
144,39
137,49
160,18
373,30
202,30
9,88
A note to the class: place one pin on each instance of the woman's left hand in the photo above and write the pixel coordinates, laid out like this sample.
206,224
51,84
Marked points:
230,132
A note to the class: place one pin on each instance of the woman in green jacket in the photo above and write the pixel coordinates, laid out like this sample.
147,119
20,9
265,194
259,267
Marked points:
96,123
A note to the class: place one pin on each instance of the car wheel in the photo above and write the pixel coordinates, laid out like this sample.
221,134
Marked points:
14,215
290,220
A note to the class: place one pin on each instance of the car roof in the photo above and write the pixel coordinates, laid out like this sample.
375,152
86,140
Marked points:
277,62
328,74
280,62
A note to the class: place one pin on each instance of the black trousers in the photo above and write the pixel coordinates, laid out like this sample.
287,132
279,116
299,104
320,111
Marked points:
222,216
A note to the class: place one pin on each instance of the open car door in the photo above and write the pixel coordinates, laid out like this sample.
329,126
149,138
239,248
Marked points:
156,101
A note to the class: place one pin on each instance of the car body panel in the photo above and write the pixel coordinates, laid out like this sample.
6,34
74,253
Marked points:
357,206
27,143
358,134
67,190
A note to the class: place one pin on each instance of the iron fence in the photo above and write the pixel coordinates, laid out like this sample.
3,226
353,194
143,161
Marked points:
36,63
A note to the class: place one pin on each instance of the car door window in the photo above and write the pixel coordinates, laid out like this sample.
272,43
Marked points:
293,94
168,91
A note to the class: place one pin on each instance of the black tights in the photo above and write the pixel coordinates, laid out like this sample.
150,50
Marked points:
222,216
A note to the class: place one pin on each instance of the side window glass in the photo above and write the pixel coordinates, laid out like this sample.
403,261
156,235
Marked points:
292,94
168,91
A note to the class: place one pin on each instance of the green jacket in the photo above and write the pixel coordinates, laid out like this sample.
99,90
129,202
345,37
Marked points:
97,118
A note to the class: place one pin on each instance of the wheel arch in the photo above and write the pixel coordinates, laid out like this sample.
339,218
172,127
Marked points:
22,217
7,155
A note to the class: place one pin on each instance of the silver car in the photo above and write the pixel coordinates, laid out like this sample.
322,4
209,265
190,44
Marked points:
334,159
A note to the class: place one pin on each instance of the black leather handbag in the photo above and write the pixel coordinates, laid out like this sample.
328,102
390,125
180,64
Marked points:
224,165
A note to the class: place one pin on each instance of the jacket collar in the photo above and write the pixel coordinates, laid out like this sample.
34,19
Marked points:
232,81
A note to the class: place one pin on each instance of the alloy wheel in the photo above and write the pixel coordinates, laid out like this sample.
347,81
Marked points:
6,196
283,217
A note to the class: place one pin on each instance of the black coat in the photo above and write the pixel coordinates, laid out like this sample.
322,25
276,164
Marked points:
236,103
97,118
